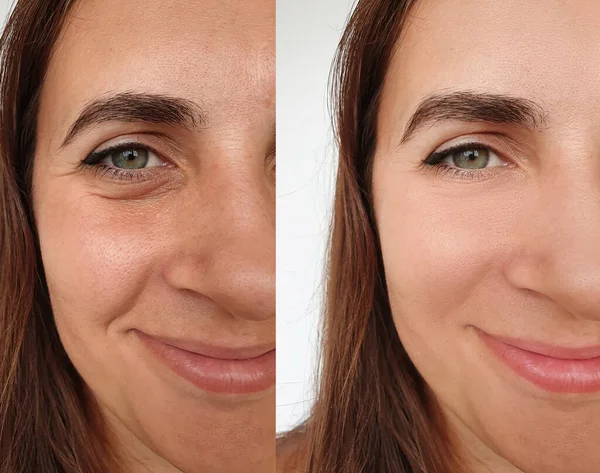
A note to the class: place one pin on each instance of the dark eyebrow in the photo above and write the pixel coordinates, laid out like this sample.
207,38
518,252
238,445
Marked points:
470,106
137,107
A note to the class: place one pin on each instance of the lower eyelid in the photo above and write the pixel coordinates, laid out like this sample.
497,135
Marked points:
456,173
101,171
117,174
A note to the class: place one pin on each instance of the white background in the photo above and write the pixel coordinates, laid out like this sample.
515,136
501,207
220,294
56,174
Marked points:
5,5
307,35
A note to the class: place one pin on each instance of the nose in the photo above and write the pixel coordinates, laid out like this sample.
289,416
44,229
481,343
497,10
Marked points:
226,240
559,243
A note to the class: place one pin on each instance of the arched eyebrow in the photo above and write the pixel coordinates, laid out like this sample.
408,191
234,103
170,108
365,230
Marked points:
137,107
469,106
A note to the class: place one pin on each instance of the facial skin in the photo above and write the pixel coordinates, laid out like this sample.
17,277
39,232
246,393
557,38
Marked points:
513,252
187,253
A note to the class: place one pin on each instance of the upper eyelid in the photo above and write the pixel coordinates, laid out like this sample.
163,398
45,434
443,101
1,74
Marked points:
164,144
132,107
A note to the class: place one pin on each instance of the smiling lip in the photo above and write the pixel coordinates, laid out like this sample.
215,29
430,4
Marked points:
552,368
216,369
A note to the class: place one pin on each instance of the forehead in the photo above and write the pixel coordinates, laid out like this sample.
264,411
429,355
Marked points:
201,50
545,50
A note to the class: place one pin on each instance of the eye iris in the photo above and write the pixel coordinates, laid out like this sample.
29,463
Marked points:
130,158
471,158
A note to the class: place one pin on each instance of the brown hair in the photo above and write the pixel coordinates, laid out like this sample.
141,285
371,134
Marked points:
373,412
47,422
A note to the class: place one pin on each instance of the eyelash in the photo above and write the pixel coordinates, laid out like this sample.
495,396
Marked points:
92,161
434,161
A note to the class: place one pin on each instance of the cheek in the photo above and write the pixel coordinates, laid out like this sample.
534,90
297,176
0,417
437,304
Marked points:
97,256
444,246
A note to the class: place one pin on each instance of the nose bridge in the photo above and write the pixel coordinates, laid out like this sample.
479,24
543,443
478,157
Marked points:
229,243
560,241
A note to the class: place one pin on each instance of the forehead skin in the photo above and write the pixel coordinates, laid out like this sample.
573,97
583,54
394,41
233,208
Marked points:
170,48
536,49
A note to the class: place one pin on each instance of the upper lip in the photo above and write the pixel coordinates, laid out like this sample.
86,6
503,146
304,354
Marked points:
212,351
550,350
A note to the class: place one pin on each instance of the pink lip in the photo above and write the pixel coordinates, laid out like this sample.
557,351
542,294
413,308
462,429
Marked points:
552,368
216,369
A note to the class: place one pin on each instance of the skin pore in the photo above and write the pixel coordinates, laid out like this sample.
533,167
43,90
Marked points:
172,233
507,243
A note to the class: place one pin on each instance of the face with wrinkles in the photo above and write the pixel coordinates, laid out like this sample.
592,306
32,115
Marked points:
155,206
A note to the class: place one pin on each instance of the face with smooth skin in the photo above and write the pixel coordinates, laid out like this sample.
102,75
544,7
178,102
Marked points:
185,248
511,246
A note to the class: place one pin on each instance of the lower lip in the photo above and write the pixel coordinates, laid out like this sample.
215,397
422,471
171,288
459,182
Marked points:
214,374
551,374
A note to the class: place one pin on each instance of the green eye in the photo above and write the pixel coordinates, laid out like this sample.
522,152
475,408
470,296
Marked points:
130,158
475,158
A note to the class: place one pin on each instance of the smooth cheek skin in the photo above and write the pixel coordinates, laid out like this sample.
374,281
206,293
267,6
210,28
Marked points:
513,255
192,257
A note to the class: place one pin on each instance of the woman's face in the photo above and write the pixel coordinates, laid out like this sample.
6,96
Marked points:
170,235
500,238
